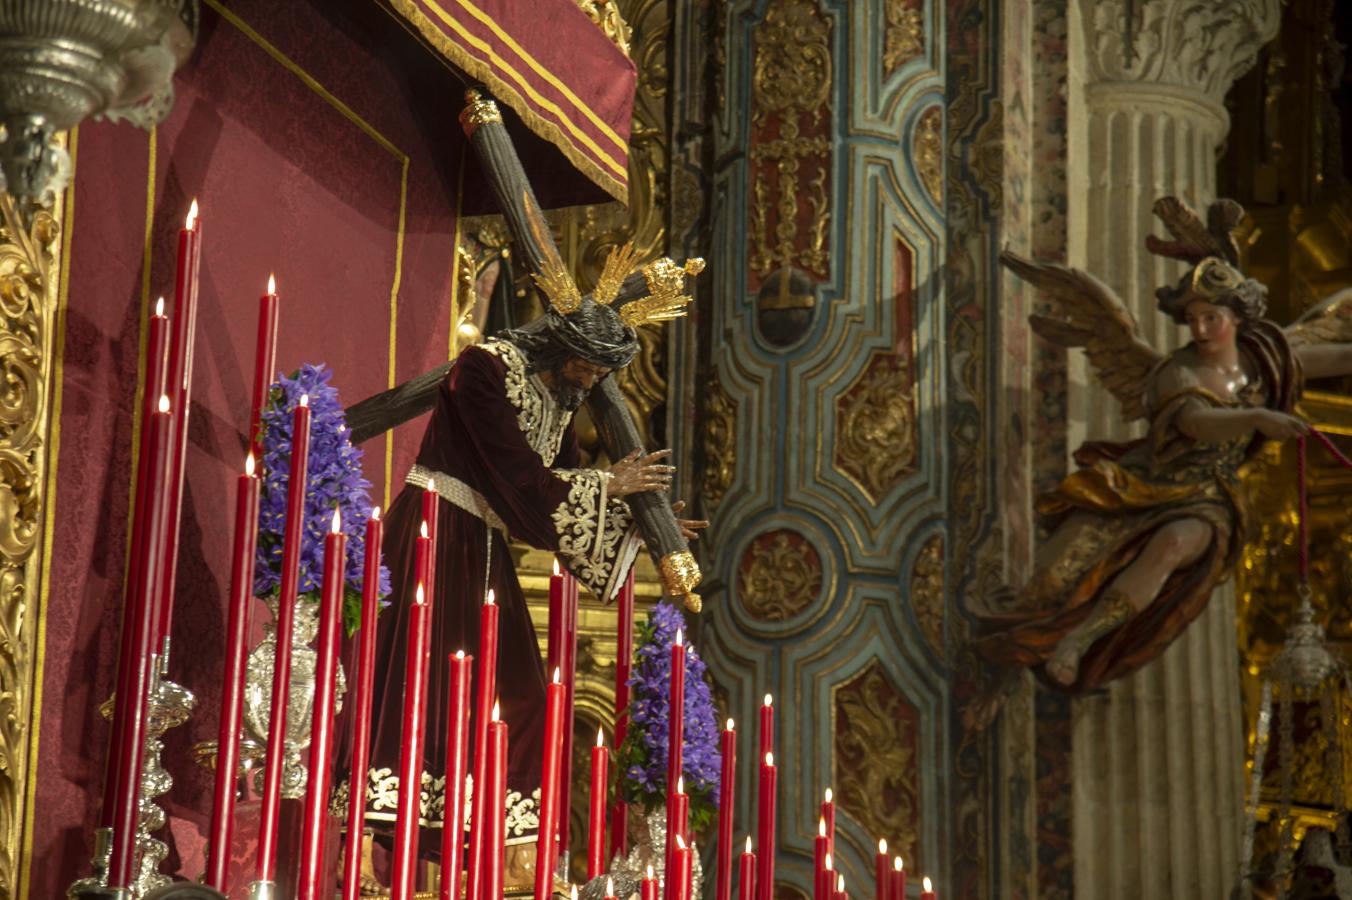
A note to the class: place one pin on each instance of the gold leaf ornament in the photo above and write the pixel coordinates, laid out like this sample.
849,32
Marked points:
559,287
619,263
665,300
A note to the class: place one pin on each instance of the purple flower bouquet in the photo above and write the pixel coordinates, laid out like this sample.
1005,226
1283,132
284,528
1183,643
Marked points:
334,480
641,766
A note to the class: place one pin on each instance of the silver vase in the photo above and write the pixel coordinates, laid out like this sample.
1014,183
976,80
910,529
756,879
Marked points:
627,872
300,697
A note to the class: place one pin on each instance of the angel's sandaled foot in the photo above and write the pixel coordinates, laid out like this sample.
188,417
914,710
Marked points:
1111,612
1064,666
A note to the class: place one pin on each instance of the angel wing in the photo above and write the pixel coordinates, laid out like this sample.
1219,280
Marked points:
1328,322
1092,318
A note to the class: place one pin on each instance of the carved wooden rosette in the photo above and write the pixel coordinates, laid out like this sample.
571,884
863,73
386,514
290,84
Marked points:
28,301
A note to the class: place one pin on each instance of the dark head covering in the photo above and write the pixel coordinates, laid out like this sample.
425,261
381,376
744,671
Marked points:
1216,282
593,333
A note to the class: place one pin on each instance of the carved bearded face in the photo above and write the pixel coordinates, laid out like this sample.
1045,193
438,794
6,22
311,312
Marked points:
1213,327
574,380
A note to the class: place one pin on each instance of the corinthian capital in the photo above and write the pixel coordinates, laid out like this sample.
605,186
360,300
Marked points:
1202,45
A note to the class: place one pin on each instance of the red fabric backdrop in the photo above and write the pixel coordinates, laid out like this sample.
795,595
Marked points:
322,144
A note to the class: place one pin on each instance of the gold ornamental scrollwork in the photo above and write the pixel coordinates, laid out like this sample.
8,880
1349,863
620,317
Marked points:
779,576
875,759
791,87
720,443
904,34
606,16
929,153
875,426
27,317
927,592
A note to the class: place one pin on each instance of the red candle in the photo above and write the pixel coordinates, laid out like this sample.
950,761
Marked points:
767,736
610,889
678,876
179,389
840,888
765,823
314,824
134,675
155,364
675,746
821,852
550,769
265,356
647,889
882,871
427,544
364,688
483,703
624,661
271,804
411,750
898,879
232,695
596,832
457,748
569,684
829,814
495,826
728,750
928,893
746,874
556,655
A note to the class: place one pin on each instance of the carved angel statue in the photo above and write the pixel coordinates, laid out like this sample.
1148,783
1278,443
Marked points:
1142,531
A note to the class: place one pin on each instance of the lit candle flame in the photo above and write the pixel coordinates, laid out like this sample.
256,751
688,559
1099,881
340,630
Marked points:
929,886
423,530
650,868
610,887
882,846
731,725
840,883
489,599
419,599
305,400
600,738
272,284
897,864
164,403
680,638
770,760
249,464
191,222
337,522
460,654
496,717
748,843
574,892
769,701
375,513
159,307
821,827
555,679
680,843
826,864
680,784
827,795
557,573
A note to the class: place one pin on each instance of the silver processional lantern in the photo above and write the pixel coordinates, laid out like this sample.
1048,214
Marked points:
62,61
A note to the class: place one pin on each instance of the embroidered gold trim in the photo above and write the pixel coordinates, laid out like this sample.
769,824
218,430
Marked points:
539,417
455,492
382,802
597,538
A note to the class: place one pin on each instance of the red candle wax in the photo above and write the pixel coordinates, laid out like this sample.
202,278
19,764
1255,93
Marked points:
495,826
746,874
550,770
829,814
647,888
314,824
363,678
767,734
681,815
898,879
624,661
556,654
596,820
678,876
409,810
728,750
457,749
928,893
271,802
483,703
179,389
821,851
765,824
570,684
675,747
232,695
427,572
882,871
265,357
840,893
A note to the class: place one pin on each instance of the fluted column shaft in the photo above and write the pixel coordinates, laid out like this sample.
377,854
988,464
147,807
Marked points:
1157,759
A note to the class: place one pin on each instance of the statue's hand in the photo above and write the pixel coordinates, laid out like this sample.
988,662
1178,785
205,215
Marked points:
1279,425
689,527
637,473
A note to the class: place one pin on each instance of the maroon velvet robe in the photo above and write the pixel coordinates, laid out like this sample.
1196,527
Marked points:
500,433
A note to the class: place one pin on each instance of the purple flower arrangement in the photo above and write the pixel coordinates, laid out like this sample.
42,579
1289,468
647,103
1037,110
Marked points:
334,480
642,759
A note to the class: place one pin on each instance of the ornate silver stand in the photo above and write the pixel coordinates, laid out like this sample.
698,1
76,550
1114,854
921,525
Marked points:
628,872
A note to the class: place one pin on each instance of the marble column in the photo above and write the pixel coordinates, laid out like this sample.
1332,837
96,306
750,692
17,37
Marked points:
1157,759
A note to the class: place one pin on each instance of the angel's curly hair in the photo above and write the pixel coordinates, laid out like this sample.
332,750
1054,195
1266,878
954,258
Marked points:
1214,281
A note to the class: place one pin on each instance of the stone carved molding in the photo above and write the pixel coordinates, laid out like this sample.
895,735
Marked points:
720,443
927,592
1195,44
875,426
875,759
779,576
27,318
904,34
791,88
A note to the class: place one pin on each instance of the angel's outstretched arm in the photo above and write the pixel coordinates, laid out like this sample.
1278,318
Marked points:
1214,426
1325,360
